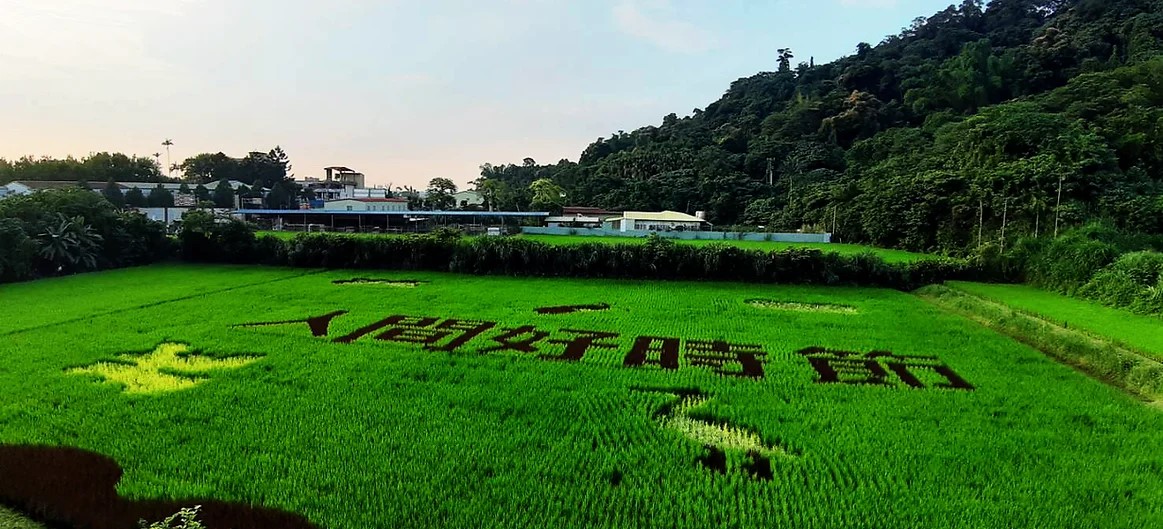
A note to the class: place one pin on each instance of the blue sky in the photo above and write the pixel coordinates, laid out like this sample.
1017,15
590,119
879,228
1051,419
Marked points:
401,90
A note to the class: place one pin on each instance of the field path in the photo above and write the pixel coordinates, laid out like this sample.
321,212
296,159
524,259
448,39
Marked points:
1135,372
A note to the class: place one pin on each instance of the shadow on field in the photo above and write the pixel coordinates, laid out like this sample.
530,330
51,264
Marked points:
73,488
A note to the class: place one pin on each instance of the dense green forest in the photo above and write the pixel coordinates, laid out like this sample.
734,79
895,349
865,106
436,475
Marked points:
960,130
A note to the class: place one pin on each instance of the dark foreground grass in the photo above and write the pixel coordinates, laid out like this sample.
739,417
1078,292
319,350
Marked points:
631,416
1141,333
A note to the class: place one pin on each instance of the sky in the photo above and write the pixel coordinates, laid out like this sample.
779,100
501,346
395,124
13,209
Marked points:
403,91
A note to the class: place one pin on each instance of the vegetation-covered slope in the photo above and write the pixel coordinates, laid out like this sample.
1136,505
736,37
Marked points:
972,116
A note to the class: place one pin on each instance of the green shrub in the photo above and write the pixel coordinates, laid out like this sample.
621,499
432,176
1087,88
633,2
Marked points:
18,252
1134,282
1069,262
206,237
74,230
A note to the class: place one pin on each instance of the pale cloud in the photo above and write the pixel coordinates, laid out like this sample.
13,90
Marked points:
64,38
655,22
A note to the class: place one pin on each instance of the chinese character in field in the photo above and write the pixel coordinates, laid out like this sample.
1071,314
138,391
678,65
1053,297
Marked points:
653,350
169,367
521,339
319,325
721,357
877,368
582,341
432,333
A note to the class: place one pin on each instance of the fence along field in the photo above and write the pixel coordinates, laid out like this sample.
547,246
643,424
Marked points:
455,402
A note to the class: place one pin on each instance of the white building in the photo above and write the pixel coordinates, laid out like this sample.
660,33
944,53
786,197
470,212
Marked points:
468,198
31,186
148,187
366,204
656,221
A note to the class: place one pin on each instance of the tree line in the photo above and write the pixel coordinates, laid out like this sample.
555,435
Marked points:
975,125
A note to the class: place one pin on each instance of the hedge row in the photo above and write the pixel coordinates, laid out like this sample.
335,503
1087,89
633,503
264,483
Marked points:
1096,262
72,231
657,259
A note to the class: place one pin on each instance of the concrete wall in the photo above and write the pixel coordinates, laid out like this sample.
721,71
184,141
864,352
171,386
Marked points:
686,235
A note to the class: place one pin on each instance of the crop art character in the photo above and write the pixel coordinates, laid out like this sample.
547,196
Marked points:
432,333
874,368
583,341
653,350
527,339
718,355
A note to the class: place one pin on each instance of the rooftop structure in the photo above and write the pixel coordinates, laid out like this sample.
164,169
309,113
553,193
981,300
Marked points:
345,176
656,221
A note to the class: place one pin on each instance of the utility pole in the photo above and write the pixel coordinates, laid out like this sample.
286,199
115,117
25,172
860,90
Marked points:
1004,217
1058,206
834,208
770,173
980,219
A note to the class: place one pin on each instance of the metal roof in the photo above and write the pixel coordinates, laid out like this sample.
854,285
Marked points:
661,216
370,199
394,213
575,218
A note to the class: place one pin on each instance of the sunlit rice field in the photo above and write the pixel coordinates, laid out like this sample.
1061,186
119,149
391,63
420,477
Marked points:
1138,332
437,400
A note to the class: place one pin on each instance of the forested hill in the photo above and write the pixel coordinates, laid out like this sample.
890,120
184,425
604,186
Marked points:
975,113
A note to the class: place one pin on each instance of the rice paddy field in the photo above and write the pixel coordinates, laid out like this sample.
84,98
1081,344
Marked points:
1137,332
435,400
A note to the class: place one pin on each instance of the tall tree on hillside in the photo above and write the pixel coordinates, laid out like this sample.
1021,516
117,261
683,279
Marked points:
785,57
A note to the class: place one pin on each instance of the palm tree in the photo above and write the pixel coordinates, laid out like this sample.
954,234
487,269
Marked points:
167,144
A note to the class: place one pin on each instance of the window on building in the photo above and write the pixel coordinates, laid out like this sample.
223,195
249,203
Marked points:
349,208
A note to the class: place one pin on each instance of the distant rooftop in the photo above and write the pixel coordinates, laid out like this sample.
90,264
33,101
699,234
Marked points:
365,199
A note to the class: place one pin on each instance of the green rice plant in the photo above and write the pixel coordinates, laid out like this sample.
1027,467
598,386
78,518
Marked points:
456,404
183,519
10,519
1143,334
1123,368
